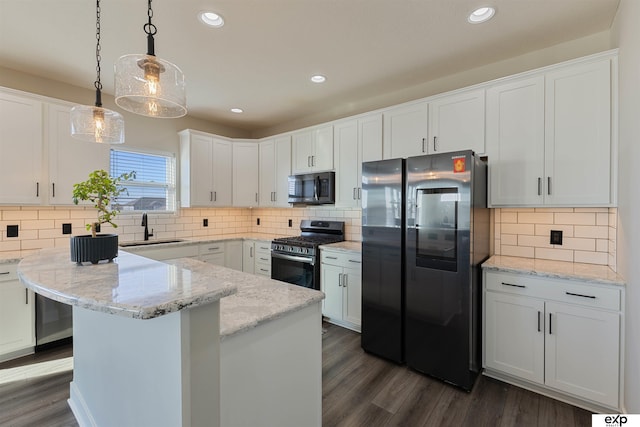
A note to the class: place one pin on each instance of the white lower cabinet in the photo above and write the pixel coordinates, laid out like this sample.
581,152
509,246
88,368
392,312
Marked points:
341,281
17,315
558,336
212,252
233,254
257,257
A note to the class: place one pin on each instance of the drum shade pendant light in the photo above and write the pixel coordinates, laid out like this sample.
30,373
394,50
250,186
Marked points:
148,85
94,123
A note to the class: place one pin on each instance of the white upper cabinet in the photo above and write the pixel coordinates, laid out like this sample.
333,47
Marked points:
549,138
355,141
405,131
205,170
515,142
456,122
313,150
275,168
245,174
20,149
578,134
70,160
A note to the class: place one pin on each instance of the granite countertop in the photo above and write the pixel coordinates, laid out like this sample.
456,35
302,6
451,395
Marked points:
258,299
346,246
131,286
556,269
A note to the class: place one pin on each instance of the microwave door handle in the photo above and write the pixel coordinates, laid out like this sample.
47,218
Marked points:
316,184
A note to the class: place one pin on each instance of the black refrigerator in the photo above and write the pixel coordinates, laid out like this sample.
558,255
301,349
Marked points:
440,240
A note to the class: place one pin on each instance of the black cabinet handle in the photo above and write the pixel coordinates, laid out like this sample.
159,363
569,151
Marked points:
539,186
37,189
549,323
515,286
53,189
26,296
539,321
549,185
4,272
580,295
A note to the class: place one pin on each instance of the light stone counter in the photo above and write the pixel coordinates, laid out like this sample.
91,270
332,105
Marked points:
555,269
346,246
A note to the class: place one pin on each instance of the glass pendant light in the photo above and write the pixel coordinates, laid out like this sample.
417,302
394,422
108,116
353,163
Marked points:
94,123
148,85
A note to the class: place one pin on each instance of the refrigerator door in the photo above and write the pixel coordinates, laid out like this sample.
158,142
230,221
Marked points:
441,306
382,258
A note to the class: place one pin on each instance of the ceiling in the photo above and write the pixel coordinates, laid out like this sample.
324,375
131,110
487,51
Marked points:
263,57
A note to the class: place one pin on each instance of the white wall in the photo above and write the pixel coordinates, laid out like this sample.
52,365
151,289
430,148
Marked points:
626,34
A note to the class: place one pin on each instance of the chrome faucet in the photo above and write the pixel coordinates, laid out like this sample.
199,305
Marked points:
146,229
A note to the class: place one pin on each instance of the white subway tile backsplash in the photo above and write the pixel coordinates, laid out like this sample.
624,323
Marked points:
545,229
596,231
535,218
585,218
528,229
554,254
591,257
521,251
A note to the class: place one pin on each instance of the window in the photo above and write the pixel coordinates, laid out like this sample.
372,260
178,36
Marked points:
154,187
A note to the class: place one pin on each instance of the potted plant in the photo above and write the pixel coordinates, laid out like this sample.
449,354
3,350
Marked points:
100,189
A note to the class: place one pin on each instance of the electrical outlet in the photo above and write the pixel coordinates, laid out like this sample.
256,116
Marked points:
205,222
66,228
258,221
12,231
556,237
290,223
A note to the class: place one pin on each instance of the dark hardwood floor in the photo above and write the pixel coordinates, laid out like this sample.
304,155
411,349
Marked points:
357,390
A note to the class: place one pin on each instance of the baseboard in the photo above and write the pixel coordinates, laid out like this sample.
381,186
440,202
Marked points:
79,407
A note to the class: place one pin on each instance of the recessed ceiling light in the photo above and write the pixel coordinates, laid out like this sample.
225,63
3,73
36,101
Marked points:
318,78
237,110
211,19
481,14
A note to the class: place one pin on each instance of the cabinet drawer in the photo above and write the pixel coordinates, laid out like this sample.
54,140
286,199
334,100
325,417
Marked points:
342,259
554,289
8,272
212,248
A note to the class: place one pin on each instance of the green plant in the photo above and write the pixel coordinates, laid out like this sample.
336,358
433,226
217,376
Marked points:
100,189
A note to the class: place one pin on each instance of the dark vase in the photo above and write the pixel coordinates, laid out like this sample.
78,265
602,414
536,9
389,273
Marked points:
94,249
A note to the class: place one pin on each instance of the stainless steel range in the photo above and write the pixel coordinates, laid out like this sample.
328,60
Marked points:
297,259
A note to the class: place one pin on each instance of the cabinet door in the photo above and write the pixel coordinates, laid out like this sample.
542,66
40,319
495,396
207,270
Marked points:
245,174
282,171
515,142
17,317
346,161
370,139
20,150
456,123
514,335
70,160
330,276
322,158
233,255
578,135
405,131
222,172
200,155
582,352
352,304
302,147
248,256
267,171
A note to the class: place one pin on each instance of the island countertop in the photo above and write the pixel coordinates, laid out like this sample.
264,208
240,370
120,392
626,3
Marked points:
131,286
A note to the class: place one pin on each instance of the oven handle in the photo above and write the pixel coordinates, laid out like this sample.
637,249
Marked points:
293,258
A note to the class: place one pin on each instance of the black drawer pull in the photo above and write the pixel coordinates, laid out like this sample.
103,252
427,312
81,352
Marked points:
353,260
515,286
539,321
580,295
5,272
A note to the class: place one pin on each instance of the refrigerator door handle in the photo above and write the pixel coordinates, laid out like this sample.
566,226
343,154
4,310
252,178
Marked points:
316,184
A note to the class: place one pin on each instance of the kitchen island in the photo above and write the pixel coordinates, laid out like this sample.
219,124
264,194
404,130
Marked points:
147,339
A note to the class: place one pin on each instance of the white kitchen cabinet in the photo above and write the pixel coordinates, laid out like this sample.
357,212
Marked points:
17,315
245,174
263,258
205,170
312,150
70,160
549,138
248,256
20,149
457,122
341,281
213,253
233,256
405,131
355,141
275,168
558,336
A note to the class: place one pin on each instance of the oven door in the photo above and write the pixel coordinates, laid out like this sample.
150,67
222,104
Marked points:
298,270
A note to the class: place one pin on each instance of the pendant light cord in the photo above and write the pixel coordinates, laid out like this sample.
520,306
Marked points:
151,31
97,83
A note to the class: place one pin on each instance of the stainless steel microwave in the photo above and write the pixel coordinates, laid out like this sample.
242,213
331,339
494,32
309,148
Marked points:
312,189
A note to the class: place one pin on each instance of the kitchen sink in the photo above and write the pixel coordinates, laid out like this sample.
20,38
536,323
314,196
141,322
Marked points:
149,242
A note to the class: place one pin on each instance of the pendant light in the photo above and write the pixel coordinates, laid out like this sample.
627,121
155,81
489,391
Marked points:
148,85
94,123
